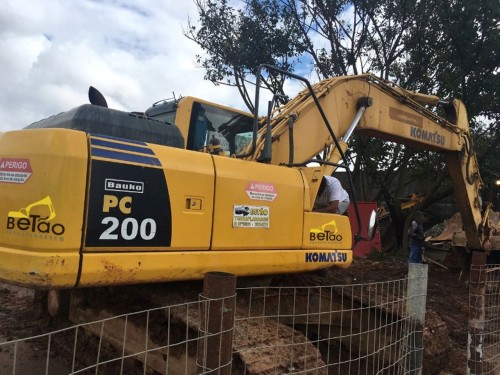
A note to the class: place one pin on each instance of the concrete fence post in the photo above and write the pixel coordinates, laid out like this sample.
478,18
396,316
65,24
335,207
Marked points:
477,314
218,303
415,311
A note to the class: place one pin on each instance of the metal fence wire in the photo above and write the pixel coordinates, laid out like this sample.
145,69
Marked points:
347,329
483,350
373,328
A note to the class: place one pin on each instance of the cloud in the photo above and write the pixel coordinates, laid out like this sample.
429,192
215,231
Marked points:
132,51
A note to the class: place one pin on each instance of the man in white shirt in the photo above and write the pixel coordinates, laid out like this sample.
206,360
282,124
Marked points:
331,197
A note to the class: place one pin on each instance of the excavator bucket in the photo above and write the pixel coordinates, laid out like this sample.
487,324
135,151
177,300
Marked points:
450,234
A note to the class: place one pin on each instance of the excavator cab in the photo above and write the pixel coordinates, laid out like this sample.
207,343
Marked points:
201,121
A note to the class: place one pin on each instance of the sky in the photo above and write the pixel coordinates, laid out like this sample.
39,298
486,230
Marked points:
133,51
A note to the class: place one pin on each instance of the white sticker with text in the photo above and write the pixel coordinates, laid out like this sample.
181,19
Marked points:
250,216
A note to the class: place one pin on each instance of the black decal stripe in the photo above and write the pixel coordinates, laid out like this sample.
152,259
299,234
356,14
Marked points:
121,146
130,141
122,156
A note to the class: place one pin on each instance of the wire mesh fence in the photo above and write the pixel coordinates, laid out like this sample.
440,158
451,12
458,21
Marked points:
135,343
331,329
337,329
484,325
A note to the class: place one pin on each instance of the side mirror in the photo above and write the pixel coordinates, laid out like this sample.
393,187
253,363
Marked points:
372,225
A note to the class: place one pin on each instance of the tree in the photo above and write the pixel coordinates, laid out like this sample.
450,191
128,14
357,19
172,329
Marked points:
237,41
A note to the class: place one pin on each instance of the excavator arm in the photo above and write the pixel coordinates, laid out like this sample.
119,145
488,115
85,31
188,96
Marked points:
323,117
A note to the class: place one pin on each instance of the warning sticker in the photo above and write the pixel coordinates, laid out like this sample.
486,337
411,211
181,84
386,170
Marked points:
250,217
16,171
261,191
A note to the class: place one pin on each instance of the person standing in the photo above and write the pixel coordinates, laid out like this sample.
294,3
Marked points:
416,234
331,197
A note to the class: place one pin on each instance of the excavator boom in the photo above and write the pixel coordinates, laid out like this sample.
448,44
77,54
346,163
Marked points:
377,108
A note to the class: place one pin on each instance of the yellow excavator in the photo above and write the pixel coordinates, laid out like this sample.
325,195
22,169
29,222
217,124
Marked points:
99,197
113,198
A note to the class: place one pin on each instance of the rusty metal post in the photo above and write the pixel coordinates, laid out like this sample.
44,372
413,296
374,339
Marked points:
415,310
215,345
477,299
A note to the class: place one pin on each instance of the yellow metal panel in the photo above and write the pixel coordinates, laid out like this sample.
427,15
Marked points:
274,195
326,231
39,270
42,208
312,178
190,176
45,212
134,268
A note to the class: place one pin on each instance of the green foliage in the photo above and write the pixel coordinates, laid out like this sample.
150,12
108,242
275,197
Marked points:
237,41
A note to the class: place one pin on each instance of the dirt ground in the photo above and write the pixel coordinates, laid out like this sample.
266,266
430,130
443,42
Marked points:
445,332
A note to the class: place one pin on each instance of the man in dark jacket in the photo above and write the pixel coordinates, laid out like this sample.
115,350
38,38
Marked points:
416,234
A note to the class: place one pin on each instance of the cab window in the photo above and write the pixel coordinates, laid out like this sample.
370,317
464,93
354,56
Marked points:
232,129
